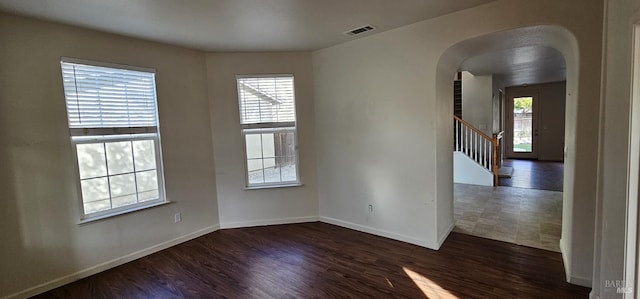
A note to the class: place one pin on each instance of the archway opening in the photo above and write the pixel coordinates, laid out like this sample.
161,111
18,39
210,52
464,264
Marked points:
509,50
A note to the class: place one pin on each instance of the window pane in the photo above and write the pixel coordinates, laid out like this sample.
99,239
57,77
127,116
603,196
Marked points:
254,146
272,174
94,194
269,163
119,157
276,162
97,206
144,154
284,146
91,160
147,185
256,175
268,146
123,190
289,170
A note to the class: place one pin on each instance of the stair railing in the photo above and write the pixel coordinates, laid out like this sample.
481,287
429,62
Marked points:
477,145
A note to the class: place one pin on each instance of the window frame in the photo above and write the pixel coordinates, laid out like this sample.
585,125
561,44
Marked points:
115,134
269,127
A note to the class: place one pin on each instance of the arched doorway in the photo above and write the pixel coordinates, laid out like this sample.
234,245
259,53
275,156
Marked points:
554,37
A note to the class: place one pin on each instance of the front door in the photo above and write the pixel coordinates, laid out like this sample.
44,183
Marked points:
522,134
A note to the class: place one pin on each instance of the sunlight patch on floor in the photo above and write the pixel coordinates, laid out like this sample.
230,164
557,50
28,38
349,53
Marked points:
427,286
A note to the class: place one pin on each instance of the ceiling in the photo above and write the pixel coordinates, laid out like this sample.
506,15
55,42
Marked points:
519,66
238,25
516,57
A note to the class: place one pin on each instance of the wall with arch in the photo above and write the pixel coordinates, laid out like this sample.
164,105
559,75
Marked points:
383,121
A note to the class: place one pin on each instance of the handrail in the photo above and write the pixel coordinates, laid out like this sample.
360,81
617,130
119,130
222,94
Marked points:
477,145
473,128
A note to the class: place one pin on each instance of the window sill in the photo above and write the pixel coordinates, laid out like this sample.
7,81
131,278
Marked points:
118,213
273,186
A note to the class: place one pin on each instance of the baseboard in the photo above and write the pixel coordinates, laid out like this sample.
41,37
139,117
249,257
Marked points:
110,264
444,235
291,220
565,262
379,232
581,281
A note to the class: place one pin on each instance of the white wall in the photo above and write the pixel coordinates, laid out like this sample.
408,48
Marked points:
468,171
551,99
371,134
477,101
383,121
237,206
614,143
40,239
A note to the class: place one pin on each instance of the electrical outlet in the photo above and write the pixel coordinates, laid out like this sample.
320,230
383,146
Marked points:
370,208
177,217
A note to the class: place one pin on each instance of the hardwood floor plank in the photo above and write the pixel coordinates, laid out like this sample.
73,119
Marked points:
534,174
318,260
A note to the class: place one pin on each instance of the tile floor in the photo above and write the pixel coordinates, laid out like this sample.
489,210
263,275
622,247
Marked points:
522,216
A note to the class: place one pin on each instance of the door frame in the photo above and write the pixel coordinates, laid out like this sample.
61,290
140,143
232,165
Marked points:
631,259
534,124
501,125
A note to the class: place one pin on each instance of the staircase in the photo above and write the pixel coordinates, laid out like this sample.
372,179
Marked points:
475,154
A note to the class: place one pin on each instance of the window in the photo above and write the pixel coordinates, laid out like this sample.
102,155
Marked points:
268,120
113,122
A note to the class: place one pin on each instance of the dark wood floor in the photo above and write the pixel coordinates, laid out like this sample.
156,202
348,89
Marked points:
533,174
326,261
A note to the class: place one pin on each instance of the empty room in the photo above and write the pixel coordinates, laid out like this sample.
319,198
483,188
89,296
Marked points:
311,149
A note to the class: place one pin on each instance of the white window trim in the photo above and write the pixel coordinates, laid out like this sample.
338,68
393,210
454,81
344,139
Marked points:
269,128
280,75
118,213
102,135
108,64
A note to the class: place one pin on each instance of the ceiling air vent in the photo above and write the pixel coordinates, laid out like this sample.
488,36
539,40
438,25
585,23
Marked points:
359,30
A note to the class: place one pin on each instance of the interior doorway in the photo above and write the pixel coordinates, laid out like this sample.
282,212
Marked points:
579,192
529,210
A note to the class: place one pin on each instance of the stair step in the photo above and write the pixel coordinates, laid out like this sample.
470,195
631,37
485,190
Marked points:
505,172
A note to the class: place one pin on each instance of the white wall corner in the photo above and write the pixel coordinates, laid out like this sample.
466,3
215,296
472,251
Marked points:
444,235
264,222
565,261
572,279
58,282
379,232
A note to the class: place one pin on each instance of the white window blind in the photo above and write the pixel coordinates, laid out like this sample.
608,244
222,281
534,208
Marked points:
265,100
102,97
